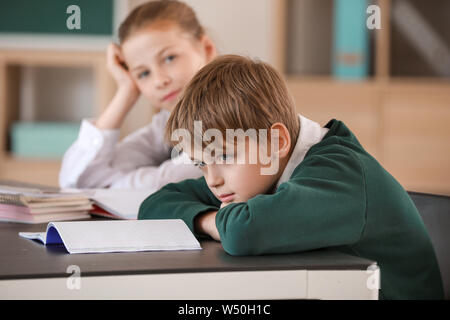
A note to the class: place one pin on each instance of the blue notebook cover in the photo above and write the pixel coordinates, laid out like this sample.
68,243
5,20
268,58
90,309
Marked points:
350,47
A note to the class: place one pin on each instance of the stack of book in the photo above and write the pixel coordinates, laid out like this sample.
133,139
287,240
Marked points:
37,206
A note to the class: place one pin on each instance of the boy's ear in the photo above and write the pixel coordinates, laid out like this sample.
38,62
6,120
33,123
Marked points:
209,47
284,139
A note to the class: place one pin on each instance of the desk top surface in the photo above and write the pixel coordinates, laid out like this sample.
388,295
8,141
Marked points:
24,259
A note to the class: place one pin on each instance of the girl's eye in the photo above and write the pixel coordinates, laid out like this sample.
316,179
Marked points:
143,74
170,58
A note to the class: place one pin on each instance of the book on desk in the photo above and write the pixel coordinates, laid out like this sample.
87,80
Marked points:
117,236
40,205
35,206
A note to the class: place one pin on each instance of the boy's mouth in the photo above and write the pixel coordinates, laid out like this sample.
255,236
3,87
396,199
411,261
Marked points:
226,197
171,95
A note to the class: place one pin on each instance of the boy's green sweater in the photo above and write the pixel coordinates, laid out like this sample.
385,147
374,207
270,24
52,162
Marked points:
338,196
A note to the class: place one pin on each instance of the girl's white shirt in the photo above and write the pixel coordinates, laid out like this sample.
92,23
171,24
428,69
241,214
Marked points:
142,160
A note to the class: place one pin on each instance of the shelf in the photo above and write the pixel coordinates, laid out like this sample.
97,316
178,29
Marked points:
51,57
420,38
328,81
13,67
395,50
29,170
9,158
423,84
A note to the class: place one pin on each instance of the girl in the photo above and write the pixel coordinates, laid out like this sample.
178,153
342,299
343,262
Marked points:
162,46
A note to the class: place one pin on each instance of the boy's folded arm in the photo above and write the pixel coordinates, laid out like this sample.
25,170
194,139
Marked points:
320,206
184,200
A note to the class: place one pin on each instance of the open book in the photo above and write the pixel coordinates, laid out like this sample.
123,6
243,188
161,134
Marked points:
117,203
118,236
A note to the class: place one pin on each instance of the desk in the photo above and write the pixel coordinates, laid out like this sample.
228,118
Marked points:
29,270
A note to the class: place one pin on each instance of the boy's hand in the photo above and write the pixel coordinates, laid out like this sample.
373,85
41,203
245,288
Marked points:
206,224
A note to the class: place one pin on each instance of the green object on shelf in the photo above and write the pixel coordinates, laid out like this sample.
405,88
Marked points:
43,140
50,17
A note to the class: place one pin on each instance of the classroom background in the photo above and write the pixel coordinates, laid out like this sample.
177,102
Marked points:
381,66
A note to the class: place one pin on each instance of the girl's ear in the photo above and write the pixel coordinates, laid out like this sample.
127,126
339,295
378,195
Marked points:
209,48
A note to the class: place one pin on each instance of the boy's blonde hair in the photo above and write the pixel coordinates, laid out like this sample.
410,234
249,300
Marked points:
234,92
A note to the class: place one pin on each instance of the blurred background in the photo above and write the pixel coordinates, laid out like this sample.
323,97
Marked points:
382,67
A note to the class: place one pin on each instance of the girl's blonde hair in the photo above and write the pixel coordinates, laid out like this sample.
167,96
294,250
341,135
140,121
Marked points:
161,11
234,92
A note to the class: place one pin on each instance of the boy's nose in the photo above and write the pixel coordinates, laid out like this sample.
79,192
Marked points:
213,178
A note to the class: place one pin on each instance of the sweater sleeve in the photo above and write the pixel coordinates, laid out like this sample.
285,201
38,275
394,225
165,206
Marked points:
183,200
322,205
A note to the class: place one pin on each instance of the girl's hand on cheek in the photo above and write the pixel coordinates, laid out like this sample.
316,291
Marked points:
119,71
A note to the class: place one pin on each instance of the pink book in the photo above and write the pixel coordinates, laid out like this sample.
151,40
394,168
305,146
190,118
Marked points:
42,218
27,210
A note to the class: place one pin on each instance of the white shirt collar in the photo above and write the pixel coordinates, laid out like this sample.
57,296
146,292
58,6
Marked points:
310,134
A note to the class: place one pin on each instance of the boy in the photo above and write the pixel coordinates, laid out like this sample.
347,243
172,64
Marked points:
319,189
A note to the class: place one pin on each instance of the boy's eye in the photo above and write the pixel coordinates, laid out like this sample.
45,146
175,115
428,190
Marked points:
143,74
199,164
223,157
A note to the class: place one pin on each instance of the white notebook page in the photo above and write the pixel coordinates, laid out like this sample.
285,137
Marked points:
119,236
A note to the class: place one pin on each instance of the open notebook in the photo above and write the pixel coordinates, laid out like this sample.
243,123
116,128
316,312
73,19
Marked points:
117,203
118,236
